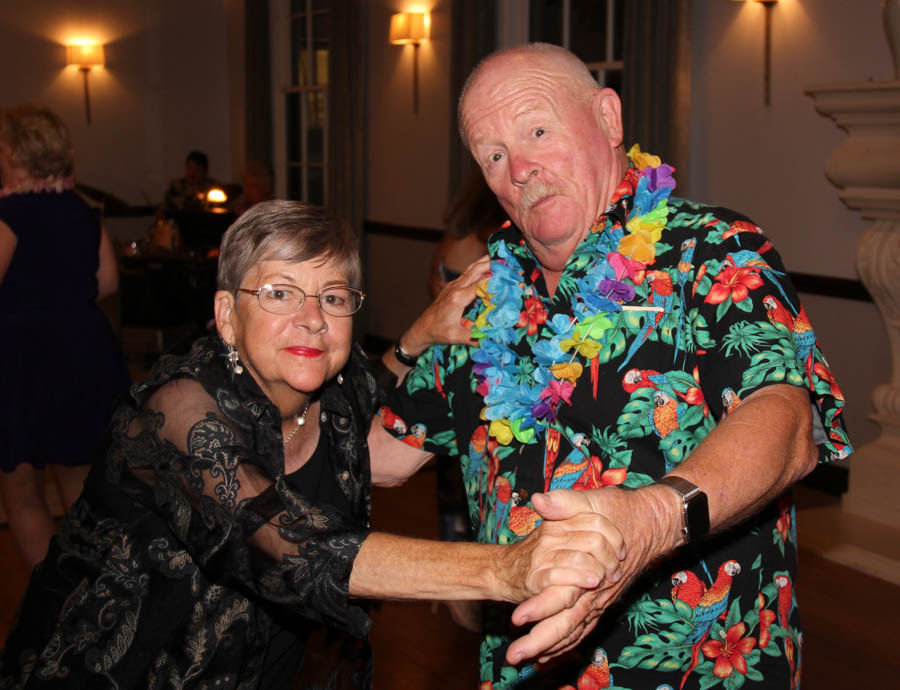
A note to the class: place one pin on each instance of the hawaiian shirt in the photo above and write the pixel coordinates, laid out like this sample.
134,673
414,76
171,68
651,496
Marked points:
154,579
668,314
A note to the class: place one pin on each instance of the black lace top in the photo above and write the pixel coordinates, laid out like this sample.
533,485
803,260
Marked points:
189,539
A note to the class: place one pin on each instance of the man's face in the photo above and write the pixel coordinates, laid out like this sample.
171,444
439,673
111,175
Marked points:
549,156
194,172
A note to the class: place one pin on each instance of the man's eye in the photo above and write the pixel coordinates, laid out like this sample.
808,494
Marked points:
539,132
494,157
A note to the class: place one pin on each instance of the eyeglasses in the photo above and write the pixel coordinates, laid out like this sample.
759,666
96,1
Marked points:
339,300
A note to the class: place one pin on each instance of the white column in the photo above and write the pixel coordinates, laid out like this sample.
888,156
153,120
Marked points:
866,167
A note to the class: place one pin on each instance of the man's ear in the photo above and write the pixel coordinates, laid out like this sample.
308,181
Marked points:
607,111
226,315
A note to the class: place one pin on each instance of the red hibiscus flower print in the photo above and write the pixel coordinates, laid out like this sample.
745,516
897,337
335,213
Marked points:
729,653
734,282
533,315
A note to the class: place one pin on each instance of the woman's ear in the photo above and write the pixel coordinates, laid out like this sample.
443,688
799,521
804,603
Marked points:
226,315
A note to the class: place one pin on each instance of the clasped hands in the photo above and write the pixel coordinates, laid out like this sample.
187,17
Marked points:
623,530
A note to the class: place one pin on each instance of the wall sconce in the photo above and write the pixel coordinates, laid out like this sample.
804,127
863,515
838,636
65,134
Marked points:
411,27
767,49
85,57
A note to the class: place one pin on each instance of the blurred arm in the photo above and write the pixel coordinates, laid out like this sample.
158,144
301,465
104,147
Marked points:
108,271
8,242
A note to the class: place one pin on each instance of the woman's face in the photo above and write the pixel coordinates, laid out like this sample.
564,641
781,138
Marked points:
290,354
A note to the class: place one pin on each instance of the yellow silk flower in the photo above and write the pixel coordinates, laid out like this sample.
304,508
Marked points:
570,371
501,431
642,160
639,246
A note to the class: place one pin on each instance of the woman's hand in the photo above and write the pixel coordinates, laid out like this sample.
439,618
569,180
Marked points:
567,556
442,322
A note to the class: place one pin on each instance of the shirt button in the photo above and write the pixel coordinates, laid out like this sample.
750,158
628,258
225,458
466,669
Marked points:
324,417
345,475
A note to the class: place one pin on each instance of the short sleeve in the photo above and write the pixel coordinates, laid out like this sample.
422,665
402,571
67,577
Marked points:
420,412
752,331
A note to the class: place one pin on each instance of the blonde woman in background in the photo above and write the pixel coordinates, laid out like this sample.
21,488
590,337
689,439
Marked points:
60,363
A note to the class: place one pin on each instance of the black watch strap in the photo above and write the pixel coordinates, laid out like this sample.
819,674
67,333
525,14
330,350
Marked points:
404,357
694,507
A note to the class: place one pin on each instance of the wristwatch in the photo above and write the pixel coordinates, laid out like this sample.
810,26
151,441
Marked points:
694,507
404,357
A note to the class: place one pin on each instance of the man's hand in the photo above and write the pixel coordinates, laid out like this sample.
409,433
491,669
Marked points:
647,519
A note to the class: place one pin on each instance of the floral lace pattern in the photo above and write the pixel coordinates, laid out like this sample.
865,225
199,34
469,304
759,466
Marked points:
158,577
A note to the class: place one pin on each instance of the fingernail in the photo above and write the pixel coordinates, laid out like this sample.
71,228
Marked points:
616,576
622,553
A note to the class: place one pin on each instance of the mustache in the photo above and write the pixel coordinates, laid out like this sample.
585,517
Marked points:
533,192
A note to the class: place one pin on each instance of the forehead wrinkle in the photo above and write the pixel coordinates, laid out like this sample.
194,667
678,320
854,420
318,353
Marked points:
278,275
527,105
532,90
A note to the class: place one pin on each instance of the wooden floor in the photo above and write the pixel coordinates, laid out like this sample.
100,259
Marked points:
849,618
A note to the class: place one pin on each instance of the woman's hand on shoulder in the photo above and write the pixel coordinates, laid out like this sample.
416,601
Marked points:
442,323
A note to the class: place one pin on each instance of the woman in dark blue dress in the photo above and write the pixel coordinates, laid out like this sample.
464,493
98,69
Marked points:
60,362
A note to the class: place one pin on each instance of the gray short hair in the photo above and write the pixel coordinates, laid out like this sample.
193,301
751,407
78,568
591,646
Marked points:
38,140
281,230
574,74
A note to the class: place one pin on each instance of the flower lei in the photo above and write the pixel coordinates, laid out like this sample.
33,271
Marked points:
523,393
38,185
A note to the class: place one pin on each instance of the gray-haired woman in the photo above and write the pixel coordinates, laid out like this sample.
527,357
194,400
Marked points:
230,520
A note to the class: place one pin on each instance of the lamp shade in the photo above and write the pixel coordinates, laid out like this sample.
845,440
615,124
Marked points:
85,55
409,27
216,195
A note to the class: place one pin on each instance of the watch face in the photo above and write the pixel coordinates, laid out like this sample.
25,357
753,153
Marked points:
697,516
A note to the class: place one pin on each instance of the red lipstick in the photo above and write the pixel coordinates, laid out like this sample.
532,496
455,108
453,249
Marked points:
301,351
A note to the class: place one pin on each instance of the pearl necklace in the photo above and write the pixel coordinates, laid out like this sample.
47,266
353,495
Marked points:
301,420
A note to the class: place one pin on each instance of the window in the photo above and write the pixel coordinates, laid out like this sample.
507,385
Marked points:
592,29
305,102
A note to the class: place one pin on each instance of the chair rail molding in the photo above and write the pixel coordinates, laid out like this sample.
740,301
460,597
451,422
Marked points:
866,168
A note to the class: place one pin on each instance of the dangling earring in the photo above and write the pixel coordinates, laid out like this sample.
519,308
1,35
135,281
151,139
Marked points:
234,360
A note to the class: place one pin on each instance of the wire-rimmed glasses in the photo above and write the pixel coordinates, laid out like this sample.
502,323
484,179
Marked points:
338,300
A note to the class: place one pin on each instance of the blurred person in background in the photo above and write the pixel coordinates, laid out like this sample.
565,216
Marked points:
258,185
471,217
60,362
188,193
